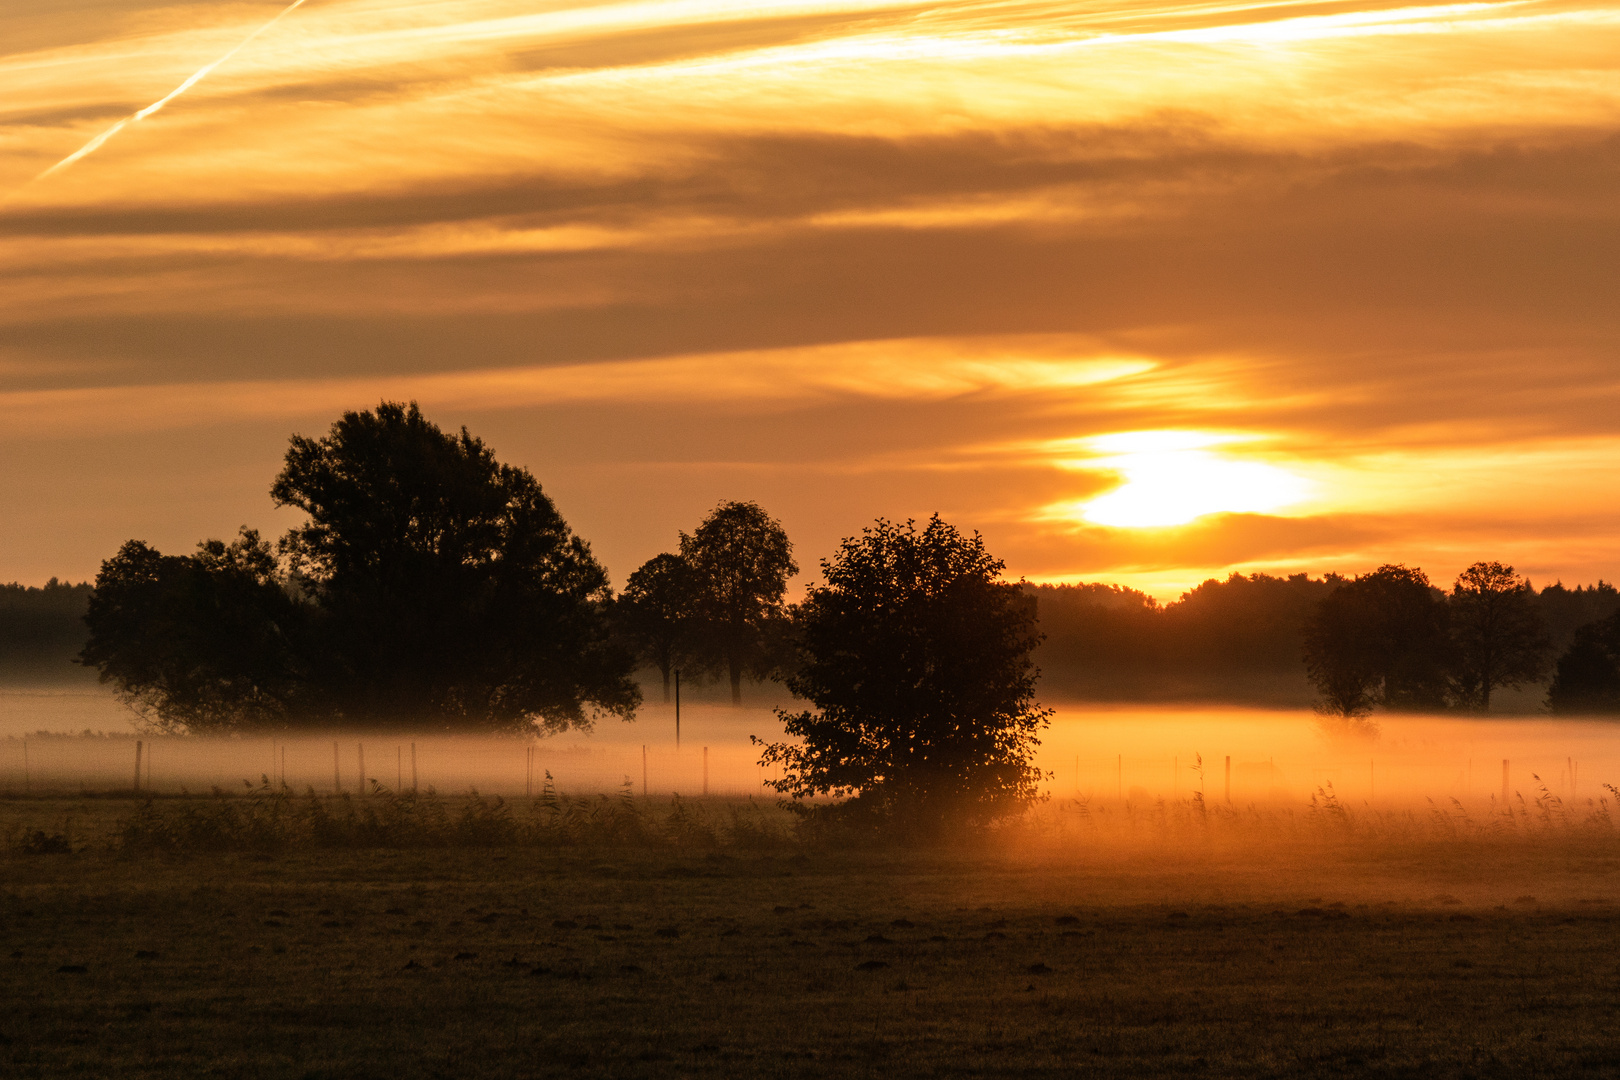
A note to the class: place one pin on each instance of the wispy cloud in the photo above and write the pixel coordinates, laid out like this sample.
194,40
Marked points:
934,251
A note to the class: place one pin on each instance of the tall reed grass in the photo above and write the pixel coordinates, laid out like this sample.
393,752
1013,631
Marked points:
271,818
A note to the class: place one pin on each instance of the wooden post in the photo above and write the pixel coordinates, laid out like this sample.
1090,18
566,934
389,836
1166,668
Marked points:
413,768
1504,781
677,708
705,770
644,768
137,765
360,754
1229,778
337,777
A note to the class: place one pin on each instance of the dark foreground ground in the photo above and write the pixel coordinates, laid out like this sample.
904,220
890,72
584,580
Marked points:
1426,960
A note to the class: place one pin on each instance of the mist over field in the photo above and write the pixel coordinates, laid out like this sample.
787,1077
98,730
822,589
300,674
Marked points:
1098,757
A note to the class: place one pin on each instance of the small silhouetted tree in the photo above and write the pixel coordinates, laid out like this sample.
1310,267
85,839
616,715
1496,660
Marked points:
656,613
203,643
740,561
916,657
1379,639
1587,678
1498,636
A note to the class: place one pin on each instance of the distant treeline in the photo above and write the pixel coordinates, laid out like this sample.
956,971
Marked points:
42,631
1240,640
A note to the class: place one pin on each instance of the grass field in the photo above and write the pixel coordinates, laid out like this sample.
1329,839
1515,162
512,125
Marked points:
1011,956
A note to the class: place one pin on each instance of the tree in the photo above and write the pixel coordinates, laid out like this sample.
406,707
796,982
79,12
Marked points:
655,613
205,643
917,660
1379,639
1497,633
740,560
1587,679
435,588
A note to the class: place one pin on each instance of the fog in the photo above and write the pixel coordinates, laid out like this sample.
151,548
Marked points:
1096,756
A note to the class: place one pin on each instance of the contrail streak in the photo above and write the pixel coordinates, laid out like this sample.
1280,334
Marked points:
96,143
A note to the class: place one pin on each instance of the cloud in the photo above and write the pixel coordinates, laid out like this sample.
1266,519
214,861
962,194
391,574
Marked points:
853,258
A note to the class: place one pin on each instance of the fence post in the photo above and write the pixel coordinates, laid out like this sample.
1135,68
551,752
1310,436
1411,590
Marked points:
137,766
337,777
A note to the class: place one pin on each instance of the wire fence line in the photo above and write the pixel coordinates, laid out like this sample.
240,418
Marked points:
357,764
43,763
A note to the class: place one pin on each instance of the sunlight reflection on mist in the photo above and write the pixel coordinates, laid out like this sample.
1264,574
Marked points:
1102,755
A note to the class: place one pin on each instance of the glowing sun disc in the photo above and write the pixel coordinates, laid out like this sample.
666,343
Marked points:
1174,481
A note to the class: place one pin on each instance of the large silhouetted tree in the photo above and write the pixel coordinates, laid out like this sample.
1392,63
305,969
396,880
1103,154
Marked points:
656,613
1379,639
740,561
437,588
916,657
1587,679
206,642
1497,632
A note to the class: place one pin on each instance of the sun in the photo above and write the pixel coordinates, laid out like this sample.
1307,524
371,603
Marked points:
1174,477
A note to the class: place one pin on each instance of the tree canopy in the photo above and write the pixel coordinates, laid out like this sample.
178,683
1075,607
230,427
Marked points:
1497,632
431,587
656,613
205,642
1379,639
916,657
1587,678
739,561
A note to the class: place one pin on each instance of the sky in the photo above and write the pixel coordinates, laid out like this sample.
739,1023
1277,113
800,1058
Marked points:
1145,292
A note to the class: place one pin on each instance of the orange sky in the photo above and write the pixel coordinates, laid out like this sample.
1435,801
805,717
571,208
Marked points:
1142,291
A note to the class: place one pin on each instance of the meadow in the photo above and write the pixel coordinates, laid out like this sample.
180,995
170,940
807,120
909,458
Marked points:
622,936
1321,907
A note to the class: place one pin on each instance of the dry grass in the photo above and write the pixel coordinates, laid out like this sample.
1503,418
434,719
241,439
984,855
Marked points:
1151,944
